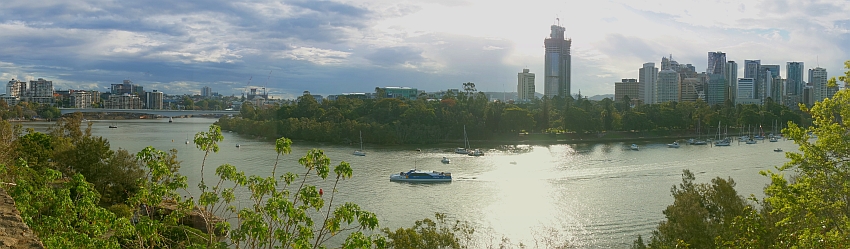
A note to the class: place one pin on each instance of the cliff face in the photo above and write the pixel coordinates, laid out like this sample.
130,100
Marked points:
14,233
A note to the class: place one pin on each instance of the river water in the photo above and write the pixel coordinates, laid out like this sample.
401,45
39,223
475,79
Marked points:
586,195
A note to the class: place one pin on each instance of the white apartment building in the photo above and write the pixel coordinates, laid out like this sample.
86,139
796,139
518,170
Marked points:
525,86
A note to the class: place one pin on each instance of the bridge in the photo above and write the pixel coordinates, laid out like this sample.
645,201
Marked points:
164,113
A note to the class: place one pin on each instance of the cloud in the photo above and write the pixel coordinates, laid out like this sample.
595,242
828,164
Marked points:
336,46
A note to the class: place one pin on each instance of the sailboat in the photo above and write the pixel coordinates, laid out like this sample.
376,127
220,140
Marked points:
721,141
464,149
360,152
699,140
187,138
773,136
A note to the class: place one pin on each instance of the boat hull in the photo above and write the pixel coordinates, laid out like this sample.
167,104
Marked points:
421,176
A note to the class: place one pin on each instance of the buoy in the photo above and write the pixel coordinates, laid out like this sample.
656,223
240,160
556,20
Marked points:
321,192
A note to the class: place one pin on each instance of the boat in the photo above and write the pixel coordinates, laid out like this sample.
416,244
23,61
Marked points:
512,162
170,119
721,141
675,144
415,175
360,152
751,141
464,149
446,160
774,139
476,152
187,139
113,126
237,145
633,147
777,150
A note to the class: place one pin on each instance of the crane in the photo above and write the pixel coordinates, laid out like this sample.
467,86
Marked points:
266,84
246,86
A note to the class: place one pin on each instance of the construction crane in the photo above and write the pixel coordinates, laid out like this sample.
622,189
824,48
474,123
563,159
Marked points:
265,95
246,86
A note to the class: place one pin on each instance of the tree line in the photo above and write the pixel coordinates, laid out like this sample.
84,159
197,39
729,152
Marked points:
425,121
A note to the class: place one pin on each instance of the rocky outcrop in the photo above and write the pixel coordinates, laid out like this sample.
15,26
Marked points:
14,233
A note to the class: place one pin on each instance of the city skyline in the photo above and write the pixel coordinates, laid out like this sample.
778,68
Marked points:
332,47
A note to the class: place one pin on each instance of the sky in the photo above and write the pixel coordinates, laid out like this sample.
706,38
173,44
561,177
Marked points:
333,47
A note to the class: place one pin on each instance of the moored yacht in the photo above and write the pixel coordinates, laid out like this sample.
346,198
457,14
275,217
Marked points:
633,147
476,152
415,175
446,160
675,144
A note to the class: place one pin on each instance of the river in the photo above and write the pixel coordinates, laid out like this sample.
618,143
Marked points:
587,195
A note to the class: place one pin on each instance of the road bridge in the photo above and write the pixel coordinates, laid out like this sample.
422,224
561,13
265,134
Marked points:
164,113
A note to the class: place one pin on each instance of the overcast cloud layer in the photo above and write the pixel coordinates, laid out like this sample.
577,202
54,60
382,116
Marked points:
331,47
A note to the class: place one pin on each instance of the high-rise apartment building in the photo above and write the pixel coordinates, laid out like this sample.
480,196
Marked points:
731,77
648,77
751,70
716,63
40,91
153,100
525,86
127,87
81,99
627,87
689,90
818,79
558,64
16,88
206,91
667,88
794,78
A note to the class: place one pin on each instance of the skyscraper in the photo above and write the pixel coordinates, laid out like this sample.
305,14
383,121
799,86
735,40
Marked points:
557,65
717,87
525,86
648,77
206,91
667,88
716,63
731,77
745,91
794,78
751,70
817,77
767,77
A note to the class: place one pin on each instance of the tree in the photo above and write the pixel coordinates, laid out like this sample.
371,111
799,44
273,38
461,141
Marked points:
701,214
429,233
35,148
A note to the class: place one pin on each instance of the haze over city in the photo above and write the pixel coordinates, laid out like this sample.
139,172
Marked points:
331,47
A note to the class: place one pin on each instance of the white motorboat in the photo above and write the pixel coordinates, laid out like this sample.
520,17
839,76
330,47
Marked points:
675,144
446,160
777,150
476,152
634,147
415,175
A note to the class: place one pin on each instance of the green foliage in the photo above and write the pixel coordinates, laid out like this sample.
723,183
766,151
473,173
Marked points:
429,234
700,214
64,212
36,149
386,120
